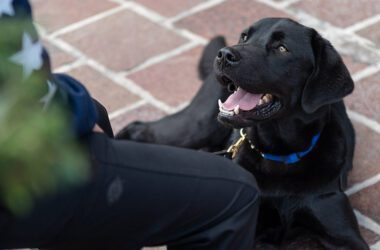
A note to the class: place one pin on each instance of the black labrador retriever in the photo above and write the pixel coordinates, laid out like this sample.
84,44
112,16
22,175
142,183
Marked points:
283,84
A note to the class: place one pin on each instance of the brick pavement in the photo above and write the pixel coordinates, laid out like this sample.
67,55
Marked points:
134,55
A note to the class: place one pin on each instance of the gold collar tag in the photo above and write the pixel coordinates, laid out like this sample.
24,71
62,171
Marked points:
235,148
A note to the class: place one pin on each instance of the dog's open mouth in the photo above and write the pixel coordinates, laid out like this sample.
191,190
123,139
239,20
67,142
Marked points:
242,106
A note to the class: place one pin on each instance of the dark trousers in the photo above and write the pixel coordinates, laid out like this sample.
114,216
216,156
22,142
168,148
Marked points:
144,195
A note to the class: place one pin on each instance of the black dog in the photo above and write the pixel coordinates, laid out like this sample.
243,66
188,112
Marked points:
287,85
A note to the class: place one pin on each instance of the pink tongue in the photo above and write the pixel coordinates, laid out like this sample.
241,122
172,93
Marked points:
244,99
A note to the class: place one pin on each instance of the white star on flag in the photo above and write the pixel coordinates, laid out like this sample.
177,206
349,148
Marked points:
49,96
30,57
6,7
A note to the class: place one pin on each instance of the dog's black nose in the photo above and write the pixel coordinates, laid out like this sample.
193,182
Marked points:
228,55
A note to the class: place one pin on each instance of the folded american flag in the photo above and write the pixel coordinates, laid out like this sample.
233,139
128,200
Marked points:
21,48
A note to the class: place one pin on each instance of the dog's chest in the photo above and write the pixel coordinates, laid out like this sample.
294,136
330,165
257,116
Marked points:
272,177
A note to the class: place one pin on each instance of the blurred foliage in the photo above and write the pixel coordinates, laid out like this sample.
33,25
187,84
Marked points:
39,153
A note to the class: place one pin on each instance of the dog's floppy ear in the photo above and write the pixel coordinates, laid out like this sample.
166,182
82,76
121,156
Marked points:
330,80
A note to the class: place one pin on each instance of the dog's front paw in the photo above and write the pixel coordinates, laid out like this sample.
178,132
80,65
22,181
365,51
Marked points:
136,131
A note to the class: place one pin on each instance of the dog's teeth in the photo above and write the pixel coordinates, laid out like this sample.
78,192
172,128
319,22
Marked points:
261,102
231,113
265,99
236,109
222,110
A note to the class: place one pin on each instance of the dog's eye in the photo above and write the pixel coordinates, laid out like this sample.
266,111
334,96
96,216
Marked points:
244,37
282,49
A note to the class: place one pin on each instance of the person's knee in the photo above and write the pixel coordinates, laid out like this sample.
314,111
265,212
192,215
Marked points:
241,218
242,175
248,188
243,195
249,196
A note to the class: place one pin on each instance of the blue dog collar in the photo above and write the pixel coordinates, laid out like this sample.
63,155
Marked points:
295,157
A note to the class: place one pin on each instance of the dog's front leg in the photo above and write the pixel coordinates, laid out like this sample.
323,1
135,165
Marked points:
331,217
196,126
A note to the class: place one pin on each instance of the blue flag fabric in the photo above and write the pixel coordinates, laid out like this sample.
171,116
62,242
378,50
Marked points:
25,51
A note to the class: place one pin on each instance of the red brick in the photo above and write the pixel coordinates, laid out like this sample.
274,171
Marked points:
367,202
111,95
369,236
143,113
365,98
372,33
169,7
173,81
124,40
354,65
342,13
56,14
57,56
367,157
229,19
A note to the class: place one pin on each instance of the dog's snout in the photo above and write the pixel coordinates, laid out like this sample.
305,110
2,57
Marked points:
229,56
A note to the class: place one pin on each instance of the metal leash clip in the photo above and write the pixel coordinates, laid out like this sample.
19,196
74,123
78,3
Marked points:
235,148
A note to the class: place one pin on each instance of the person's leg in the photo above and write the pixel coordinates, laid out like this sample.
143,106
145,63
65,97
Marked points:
149,195
144,194
217,230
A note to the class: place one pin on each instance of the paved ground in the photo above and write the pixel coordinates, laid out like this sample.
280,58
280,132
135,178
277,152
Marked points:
139,58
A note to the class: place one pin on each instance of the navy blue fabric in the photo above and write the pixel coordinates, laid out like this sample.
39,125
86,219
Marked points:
82,107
